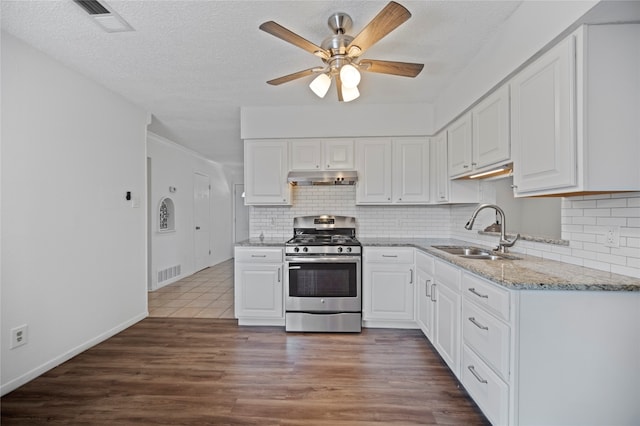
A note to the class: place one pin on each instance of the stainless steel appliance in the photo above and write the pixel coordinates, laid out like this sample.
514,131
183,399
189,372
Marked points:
324,280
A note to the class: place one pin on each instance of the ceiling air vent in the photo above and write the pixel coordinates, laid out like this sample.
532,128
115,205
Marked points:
107,19
93,7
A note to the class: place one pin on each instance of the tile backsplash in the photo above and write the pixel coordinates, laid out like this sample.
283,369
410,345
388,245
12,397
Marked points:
584,223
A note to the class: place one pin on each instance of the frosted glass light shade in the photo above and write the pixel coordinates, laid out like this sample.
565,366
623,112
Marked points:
350,76
349,93
320,85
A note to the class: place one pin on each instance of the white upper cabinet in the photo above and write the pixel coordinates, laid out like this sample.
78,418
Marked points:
316,154
373,159
411,183
543,132
490,134
575,112
305,155
446,190
265,172
338,155
480,138
459,141
393,171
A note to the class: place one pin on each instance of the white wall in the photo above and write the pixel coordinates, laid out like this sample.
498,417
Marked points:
73,249
173,165
337,120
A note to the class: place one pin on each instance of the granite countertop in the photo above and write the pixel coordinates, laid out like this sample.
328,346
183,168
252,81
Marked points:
257,242
524,273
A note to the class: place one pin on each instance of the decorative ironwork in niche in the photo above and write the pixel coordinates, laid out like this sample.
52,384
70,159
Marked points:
166,215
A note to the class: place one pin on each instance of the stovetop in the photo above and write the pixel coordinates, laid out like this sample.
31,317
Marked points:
323,235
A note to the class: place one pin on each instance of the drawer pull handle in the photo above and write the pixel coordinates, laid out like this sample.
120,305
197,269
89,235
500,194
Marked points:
476,375
433,292
278,274
426,285
477,324
410,276
389,255
258,255
473,290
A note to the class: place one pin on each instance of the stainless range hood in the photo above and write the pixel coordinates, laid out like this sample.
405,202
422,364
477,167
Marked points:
349,177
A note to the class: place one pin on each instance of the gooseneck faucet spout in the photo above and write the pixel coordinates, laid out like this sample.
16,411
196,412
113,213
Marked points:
504,243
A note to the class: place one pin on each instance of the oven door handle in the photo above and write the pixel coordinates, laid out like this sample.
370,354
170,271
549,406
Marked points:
322,259
294,267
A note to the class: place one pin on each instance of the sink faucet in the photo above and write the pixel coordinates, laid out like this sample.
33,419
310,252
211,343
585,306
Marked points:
504,243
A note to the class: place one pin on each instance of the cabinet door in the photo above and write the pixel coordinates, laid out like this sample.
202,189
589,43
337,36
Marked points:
374,172
441,168
543,123
459,141
266,167
338,155
305,155
424,303
259,291
447,326
389,292
411,170
490,133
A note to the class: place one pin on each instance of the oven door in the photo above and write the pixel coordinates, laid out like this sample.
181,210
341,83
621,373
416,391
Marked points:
323,284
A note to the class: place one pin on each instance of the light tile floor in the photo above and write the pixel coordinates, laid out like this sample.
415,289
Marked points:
205,294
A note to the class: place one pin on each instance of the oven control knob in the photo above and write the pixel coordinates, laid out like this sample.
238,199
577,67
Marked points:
322,300
305,249
348,249
296,249
339,249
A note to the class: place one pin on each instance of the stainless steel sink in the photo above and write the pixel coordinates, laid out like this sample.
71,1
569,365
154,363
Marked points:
474,253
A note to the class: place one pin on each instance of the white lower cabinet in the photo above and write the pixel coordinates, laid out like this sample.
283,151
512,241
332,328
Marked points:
445,293
388,287
486,336
487,389
423,296
259,286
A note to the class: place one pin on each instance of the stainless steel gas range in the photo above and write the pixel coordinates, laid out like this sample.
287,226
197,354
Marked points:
324,280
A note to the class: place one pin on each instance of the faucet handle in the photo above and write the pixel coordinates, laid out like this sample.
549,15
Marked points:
507,243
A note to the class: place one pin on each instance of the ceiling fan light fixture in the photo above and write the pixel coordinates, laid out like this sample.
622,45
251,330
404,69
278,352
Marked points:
350,76
320,85
350,93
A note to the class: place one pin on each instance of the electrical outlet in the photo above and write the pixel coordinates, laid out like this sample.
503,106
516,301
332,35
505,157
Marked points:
612,236
19,336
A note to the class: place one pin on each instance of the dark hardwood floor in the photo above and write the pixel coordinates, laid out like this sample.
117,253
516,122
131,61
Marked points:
177,371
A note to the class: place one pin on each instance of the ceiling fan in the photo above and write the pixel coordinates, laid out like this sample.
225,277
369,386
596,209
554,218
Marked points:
341,52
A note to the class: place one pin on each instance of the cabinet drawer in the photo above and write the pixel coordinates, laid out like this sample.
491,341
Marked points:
487,335
388,255
424,262
487,390
254,255
487,295
448,275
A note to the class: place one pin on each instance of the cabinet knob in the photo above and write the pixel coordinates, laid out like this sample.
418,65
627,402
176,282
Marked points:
514,186
328,166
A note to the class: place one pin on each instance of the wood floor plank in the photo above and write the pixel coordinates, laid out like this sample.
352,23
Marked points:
209,371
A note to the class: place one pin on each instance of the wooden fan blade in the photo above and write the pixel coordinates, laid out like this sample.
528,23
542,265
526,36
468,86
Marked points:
293,38
404,69
386,21
339,87
294,76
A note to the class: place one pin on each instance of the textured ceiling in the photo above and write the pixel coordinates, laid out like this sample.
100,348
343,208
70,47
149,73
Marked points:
193,64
